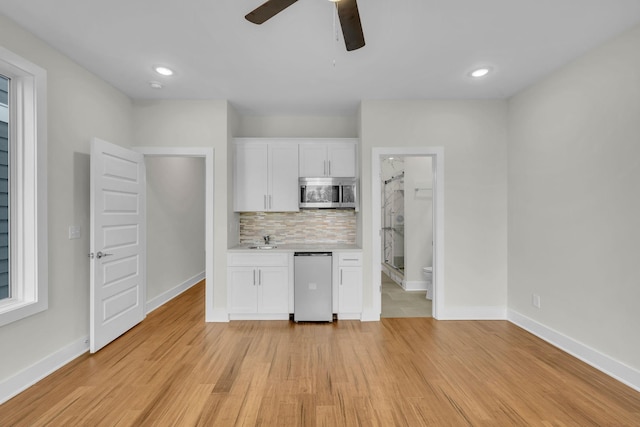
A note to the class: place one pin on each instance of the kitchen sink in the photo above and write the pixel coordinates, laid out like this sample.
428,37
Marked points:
263,247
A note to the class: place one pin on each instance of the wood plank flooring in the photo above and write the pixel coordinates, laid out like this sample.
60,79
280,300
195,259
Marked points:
176,370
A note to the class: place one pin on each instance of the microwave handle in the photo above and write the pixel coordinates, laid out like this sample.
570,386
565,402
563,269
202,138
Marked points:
340,199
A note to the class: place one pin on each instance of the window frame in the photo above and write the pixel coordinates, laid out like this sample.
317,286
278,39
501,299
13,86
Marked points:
28,188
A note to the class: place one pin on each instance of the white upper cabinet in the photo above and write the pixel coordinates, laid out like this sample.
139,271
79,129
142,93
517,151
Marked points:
265,176
328,158
251,171
313,160
283,175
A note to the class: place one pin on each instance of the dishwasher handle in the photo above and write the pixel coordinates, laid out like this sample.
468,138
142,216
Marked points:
313,254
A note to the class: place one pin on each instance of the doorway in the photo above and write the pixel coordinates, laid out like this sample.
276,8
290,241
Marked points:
407,236
175,226
207,155
434,191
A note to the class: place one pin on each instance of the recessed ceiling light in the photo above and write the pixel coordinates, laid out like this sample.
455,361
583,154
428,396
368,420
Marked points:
480,72
155,85
164,71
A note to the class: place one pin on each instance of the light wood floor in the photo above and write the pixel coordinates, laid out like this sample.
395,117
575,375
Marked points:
174,369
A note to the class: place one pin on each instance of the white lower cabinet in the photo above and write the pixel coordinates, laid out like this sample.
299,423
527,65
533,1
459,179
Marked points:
348,284
258,285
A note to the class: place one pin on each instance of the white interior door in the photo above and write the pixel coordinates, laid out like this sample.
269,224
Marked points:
118,242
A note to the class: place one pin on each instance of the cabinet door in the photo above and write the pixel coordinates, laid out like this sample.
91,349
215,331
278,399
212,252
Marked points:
350,290
251,178
283,172
342,159
273,289
313,160
243,289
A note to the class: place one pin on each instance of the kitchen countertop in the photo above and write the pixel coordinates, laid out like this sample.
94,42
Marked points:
299,247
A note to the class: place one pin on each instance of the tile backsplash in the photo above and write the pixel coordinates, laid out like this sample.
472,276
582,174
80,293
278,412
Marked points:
306,226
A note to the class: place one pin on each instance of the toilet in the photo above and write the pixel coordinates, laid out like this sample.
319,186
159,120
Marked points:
427,272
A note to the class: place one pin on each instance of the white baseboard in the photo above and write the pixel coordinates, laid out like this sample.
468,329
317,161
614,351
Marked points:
218,316
414,285
473,313
349,316
370,316
615,369
170,294
258,316
24,379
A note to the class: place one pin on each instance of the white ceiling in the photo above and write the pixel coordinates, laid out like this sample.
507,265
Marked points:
293,63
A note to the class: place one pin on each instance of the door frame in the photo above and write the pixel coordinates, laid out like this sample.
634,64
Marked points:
208,155
437,154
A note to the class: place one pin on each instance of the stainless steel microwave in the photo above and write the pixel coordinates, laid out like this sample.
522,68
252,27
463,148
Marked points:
328,193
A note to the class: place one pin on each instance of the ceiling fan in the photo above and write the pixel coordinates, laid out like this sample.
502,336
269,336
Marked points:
347,13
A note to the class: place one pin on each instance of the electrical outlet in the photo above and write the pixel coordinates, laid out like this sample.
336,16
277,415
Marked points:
74,232
535,300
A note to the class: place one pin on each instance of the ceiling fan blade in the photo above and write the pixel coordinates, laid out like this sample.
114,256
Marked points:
350,23
268,10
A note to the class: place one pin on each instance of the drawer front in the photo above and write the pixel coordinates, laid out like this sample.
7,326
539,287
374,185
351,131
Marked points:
346,259
243,259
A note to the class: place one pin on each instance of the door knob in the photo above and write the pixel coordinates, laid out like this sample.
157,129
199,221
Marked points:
99,255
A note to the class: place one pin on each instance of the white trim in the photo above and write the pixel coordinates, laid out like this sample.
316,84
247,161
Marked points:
370,316
437,153
170,294
208,154
24,379
218,316
4,113
349,316
474,313
414,285
28,126
259,316
606,364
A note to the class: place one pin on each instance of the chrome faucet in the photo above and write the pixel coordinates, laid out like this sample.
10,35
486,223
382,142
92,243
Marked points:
266,239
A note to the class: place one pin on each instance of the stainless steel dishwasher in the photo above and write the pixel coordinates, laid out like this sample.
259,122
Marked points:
312,287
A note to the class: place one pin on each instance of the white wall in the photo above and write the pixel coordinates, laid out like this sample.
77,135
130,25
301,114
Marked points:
418,217
473,134
298,126
175,222
80,106
574,200
186,123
